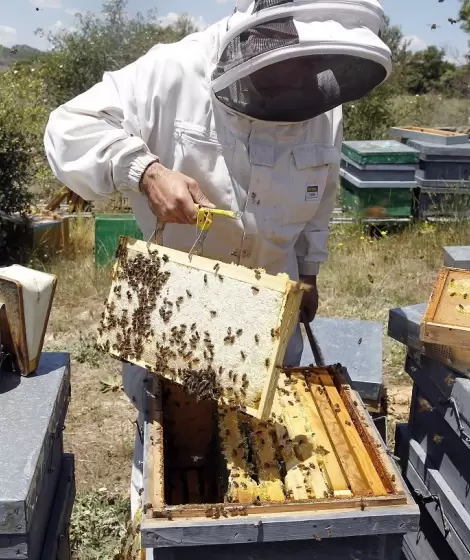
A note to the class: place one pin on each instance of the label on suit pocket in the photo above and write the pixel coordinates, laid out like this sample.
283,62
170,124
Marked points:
311,192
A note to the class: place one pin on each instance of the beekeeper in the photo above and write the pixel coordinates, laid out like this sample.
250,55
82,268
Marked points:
245,115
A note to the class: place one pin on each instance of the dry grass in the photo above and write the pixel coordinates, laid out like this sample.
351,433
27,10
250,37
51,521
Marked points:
364,278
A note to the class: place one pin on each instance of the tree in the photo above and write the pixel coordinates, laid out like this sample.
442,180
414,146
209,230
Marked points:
464,15
426,69
392,36
101,43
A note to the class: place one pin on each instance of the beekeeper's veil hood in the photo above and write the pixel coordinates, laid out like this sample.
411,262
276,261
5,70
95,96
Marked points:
291,60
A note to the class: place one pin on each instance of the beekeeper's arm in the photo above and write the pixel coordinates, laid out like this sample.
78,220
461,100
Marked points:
94,146
312,245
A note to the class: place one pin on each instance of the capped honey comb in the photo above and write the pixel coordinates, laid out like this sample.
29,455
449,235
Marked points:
219,330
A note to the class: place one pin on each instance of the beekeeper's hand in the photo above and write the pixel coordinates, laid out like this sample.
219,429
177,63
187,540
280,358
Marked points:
310,299
171,195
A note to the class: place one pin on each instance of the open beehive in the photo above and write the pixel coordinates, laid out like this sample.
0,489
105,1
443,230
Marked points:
219,330
317,451
446,323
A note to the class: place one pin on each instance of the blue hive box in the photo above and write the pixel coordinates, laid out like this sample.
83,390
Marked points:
33,468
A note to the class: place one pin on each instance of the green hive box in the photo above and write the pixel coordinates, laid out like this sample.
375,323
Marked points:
108,230
376,203
369,152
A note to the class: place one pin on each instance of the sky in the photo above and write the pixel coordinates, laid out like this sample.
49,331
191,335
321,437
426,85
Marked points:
19,18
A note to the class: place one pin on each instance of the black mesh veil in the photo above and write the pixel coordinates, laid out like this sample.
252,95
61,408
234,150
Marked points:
297,86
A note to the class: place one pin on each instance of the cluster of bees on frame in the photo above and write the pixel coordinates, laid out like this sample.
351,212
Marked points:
455,290
255,434
186,344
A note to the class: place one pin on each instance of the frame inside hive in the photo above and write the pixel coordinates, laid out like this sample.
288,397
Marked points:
447,317
318,451
220,330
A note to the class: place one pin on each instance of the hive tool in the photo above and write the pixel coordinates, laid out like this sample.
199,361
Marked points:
317,353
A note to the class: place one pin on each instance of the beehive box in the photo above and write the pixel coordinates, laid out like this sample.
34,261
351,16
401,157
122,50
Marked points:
317,452
444,201
404,326
447,317
434,494
218,329
376,202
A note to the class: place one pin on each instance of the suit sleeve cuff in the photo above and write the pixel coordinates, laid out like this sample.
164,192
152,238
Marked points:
137,168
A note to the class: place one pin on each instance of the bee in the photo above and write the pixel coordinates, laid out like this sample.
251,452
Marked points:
243,355
234,378
465,296
227,432
235,484
267,362
257,338
290,403
189,294
221,278
216,267
230,374
179,300
165,258
213,313
255,290
244,485
257,274
205,278
244,378
221,369
234,453
229,331
207,334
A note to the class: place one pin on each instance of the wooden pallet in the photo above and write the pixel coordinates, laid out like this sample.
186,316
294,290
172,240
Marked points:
219,329
447,318
318,451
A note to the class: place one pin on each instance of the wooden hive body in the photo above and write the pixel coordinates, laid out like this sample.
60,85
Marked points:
447,318
318,451
218,329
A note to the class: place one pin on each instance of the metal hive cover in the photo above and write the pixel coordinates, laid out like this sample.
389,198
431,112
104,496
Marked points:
379,151
31,410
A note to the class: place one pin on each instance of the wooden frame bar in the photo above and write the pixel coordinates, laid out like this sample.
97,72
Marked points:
447,318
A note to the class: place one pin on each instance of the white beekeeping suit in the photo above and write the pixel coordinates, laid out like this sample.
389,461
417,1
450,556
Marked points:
251,109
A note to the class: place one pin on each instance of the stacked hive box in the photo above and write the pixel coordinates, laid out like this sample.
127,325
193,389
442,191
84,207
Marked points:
37,486
434,448
378,178
443,177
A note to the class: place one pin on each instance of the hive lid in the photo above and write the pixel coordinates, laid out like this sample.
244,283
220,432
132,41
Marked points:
26,298
430,149
379,151
431,135
31,411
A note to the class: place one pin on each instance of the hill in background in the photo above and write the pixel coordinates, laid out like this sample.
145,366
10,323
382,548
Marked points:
17,53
